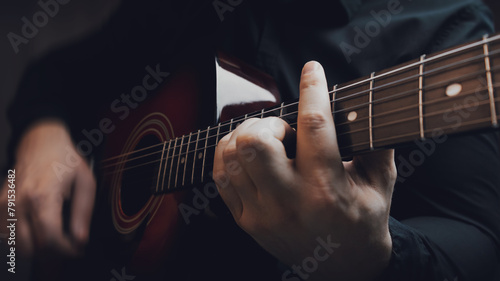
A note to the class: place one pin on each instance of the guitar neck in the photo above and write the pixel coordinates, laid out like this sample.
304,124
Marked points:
446,93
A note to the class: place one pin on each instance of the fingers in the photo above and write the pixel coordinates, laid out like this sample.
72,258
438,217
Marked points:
251,156
317,147
225,170
82,204
45,215
223,180
262,153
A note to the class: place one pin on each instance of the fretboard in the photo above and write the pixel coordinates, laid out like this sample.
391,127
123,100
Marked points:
446,93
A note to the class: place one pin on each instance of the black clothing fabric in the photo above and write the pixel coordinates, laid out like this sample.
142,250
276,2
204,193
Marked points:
445,217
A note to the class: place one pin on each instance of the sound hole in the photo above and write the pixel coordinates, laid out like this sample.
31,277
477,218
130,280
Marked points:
140,175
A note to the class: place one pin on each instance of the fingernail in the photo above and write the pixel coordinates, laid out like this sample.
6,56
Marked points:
310,67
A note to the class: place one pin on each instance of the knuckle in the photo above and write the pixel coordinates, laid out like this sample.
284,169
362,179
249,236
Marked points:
35,198
229,154
249,141
42,197
310,81
313,120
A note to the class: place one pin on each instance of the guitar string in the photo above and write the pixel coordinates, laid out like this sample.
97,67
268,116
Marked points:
408,93
469,123
226,123
487,119
338,111
403,109
473,122
438,70
441,56
335,112
485,102
393,83
292,124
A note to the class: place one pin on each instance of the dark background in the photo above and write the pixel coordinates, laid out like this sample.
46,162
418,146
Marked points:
74,20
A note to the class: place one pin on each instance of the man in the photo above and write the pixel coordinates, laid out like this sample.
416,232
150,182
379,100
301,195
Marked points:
438,228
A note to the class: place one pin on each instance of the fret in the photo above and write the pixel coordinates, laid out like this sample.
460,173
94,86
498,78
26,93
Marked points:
273,111
489,80
186,157
420,97
396,106
196,154
223,130
161,162
238,122
352,116
262,113
166,165
210,151
370,110
456,93
494,50
217,137
332,102
179,156
231,125
204,155
289,113
281,109
172,163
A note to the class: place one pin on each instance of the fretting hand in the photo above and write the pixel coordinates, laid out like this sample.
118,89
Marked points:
289,205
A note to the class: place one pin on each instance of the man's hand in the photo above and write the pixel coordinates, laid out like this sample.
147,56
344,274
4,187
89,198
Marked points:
289,205
41,192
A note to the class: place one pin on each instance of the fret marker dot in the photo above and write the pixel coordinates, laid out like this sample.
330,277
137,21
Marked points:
453,89
352,116
200,155
182,160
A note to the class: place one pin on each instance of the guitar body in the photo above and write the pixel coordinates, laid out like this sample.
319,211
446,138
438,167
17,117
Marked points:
147,225
147,233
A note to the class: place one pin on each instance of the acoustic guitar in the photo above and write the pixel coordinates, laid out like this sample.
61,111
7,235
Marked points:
156,191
